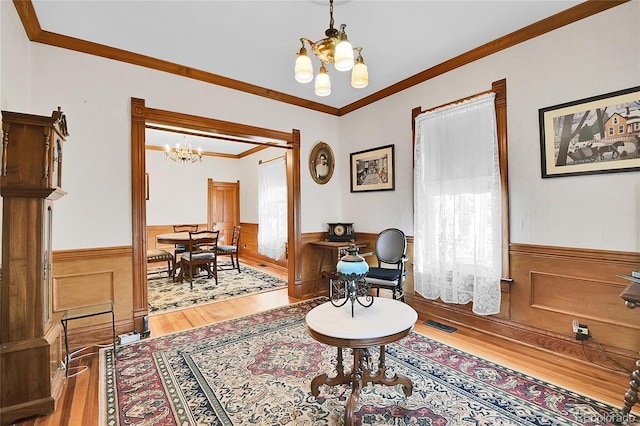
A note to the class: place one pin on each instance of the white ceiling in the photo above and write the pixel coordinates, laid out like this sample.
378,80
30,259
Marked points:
257,42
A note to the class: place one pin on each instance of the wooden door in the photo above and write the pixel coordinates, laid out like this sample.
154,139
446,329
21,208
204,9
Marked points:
223,207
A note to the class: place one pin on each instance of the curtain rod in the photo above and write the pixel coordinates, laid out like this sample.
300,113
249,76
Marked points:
273,159
457,102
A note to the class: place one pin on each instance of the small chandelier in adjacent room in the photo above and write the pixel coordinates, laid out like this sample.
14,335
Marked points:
334,48
183,153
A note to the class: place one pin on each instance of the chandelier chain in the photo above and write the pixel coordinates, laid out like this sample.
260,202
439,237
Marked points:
330,14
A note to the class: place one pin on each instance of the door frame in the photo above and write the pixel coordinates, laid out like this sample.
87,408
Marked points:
141,115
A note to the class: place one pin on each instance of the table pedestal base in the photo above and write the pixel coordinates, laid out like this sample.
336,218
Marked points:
361,374
631,397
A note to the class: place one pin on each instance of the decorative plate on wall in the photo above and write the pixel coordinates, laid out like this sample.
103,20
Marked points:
321,163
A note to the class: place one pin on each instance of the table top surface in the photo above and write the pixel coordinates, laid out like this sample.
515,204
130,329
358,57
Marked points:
385,317
178,237
632,292
337,244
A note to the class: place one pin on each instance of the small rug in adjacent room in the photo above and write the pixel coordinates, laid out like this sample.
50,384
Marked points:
164,295
257,370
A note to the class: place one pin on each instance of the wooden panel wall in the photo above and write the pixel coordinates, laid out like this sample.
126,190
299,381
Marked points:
90,276
551,287
249,246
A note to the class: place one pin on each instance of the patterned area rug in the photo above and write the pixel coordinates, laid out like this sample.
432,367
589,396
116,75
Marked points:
257,370
164,295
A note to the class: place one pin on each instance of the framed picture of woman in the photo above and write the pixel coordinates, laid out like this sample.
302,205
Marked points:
321,163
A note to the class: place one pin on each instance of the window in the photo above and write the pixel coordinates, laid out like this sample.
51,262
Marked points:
621,129
461,203
272,208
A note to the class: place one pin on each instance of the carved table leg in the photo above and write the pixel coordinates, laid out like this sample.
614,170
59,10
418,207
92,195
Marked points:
631,397
324,379
357,381
361,374
380,376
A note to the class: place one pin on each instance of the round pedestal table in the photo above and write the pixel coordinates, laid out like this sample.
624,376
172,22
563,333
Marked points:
384,322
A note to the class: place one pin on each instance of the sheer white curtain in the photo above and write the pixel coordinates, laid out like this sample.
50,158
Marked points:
457,205
272,208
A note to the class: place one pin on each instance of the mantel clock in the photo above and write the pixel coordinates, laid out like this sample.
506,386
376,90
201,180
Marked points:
340,232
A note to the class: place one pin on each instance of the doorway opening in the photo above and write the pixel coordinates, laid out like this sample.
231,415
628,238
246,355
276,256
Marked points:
141,118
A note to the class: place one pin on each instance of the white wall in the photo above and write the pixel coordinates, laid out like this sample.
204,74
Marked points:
95,94
594,56
571,63
178,193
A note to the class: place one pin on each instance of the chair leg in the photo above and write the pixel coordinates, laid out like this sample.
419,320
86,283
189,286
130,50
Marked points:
180,278
237,262
215,269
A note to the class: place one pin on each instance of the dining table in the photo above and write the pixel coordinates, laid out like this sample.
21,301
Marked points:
179,238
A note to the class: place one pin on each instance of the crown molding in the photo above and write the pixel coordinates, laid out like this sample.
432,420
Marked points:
36,34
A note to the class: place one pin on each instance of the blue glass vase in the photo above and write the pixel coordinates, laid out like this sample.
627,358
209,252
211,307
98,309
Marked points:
351,284
352,263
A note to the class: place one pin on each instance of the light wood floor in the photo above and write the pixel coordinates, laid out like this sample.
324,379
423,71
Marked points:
78,404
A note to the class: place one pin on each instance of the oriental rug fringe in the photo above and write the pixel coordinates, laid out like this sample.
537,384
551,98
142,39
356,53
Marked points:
257,370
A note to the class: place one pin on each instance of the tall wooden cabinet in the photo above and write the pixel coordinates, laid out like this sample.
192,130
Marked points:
31,370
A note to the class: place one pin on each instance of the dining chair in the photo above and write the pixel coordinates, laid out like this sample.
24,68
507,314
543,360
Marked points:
201,253
231,250
181,248
158,255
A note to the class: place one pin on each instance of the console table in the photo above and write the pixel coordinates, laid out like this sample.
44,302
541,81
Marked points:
86,312
631,297
335,250
384,322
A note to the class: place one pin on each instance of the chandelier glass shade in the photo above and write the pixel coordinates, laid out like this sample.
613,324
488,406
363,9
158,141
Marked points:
183,153
334,48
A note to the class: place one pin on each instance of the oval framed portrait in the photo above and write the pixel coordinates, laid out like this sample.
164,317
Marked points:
321,163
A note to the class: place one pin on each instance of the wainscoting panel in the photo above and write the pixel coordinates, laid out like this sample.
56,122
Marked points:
553,286
87,277
68,291
582,298
249,246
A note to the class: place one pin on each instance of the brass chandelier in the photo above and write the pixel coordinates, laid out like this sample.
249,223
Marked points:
334,48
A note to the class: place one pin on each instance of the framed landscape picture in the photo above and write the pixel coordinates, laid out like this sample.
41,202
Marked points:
373,170
600,134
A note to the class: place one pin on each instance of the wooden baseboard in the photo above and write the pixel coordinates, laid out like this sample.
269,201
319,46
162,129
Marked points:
522,334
